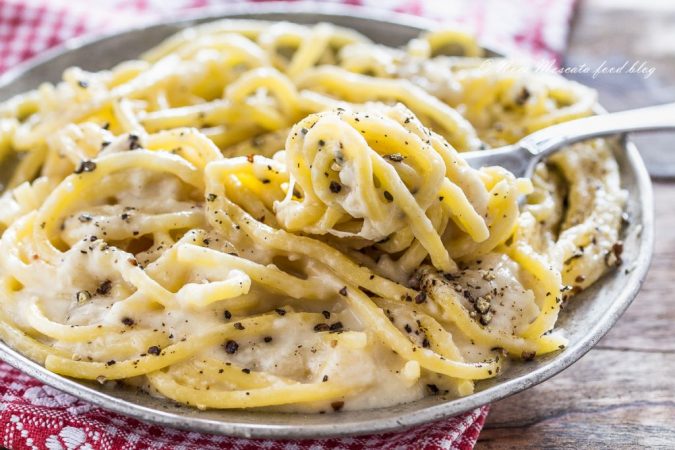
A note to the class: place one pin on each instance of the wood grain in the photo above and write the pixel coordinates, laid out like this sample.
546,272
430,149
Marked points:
618,31
621,395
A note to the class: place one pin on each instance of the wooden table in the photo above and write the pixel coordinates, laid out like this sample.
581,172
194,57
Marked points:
622,393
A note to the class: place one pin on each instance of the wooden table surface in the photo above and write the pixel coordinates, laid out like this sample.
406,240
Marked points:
622,393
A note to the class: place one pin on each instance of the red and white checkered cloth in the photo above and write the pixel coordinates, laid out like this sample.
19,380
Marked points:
36,416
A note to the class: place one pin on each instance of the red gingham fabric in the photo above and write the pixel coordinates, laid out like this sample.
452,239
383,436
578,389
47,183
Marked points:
27,27
35,416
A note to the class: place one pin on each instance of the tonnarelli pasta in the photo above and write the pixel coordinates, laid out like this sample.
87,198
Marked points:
265,214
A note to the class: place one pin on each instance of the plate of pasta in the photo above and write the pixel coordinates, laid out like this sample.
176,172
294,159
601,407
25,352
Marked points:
260,224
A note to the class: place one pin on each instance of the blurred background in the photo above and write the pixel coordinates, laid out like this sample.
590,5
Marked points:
621,395
597,33
642,33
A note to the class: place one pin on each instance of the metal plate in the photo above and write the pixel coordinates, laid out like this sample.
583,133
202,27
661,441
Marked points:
585,321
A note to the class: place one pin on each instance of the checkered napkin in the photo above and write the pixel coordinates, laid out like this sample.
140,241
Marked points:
36,416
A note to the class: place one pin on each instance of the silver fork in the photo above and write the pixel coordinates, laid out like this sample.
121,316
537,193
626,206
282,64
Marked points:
521,157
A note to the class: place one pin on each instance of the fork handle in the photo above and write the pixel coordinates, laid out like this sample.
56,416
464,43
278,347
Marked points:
653,118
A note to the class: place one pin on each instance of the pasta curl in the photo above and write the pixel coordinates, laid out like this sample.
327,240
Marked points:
273,215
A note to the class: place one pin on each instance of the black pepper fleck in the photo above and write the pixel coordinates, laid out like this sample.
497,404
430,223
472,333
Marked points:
528,356
86,166
231,347
396,157
321,327
421,297
523,96
335,187
104,288
133,142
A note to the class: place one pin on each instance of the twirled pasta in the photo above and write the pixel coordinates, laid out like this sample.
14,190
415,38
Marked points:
275,215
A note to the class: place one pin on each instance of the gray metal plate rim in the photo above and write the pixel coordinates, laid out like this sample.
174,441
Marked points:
349,423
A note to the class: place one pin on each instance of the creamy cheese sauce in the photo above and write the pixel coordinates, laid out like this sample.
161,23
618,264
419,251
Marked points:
262,215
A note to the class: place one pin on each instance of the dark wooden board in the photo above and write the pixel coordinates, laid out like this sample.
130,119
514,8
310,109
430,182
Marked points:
621,395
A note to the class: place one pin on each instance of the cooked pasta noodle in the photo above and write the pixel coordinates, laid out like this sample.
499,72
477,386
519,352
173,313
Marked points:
265,214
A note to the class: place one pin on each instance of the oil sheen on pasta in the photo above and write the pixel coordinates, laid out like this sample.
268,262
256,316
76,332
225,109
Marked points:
261,214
